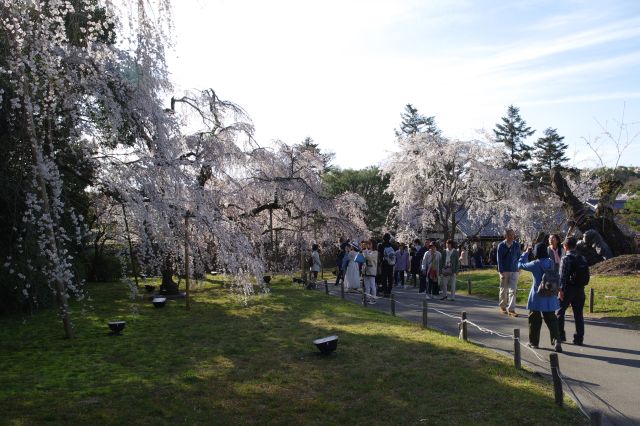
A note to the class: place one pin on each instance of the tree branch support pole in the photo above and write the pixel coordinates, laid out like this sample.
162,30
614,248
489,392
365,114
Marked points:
516,349
364,299
38,162
424,313
326,287
134,267
342,289
557,382
393,305
591,298
186,258
469,286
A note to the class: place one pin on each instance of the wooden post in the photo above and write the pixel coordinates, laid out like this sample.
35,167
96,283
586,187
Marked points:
364,300
342,290
463,326
326,287
557,382
393,305
591,297
424,313
516,348
469,286
186,258
596,418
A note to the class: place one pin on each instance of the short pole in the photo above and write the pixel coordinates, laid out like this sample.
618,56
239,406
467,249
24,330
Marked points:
516,348
596,418
469,286
393,305
591,297
463,326
557,382
342,290
326,287
364,300
424,313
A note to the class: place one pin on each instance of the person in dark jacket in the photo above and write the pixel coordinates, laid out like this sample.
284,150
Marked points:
339,259
570,293
416,262
386,270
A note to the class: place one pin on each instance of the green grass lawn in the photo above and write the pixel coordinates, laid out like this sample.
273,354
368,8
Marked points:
485,284
225,363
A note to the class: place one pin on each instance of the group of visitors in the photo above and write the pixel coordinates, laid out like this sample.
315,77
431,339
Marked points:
389,265
559,276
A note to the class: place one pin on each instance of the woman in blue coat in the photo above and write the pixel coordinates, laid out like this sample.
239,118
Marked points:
540,306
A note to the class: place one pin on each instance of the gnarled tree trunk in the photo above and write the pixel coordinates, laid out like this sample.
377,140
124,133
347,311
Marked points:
582,218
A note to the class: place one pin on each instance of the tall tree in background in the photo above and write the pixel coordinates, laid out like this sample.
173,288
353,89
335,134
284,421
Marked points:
512,132
371,184
549,155
414,123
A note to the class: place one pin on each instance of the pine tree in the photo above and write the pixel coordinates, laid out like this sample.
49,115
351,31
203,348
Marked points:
512,132
549,154
414,123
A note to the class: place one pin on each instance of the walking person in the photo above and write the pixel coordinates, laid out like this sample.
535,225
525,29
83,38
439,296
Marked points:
351,267
370,270
339,258
450,270
509,253
555,250
541,305
416,260
387,260
402,264
464,258
316,265
574,275
431,269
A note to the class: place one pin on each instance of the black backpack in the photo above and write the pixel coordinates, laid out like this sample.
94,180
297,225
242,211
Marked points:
580,275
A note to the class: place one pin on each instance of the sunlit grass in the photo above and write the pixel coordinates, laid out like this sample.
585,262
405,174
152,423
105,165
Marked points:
225,363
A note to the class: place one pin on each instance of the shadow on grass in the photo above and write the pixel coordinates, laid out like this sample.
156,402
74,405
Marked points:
226,364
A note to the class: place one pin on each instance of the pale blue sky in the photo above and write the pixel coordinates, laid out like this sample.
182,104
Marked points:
342,71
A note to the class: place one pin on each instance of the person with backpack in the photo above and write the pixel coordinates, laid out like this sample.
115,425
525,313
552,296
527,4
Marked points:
387,260
543,300
574,276
555,250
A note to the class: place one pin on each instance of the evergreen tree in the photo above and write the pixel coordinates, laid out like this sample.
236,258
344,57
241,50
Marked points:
512,132
549,154
413,123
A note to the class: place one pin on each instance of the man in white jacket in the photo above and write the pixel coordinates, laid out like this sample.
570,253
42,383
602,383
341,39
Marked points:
431,269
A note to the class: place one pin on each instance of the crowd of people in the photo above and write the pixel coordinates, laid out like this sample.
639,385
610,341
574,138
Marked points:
559,275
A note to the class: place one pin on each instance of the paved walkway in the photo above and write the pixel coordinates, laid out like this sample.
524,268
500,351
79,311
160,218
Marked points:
604,374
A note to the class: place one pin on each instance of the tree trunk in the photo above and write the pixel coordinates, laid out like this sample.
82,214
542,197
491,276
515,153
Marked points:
38,161
582,218
168,286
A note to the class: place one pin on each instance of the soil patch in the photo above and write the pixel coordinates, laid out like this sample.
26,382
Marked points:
627,264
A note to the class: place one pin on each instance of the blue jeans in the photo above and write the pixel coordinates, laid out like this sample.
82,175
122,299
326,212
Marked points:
574,297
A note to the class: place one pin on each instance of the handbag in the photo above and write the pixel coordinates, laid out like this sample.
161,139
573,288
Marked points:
446,272
360,258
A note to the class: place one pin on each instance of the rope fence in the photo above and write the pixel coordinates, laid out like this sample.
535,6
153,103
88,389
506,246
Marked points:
553,369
